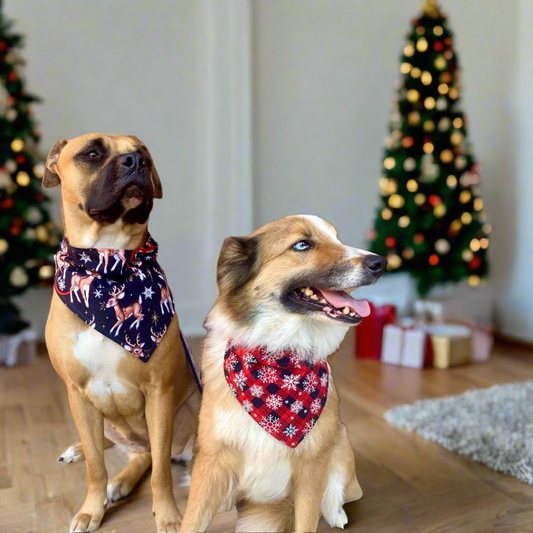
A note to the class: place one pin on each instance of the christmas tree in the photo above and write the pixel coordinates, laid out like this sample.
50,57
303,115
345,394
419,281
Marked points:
430,222
28,238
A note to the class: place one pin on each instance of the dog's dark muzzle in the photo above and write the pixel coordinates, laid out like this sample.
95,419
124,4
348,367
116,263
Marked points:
125,178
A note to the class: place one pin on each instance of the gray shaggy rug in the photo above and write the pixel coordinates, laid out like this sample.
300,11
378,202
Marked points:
493,426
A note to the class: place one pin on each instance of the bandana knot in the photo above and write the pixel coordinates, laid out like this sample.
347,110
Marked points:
283,392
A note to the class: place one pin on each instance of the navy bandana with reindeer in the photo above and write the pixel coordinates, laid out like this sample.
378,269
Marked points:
123,294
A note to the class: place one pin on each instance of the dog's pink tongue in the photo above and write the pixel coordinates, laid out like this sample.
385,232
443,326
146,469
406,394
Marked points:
342,299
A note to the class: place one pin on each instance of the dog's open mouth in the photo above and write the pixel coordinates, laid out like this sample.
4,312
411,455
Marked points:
338,305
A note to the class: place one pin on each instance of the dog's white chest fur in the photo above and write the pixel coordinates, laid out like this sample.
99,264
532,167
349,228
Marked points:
100,356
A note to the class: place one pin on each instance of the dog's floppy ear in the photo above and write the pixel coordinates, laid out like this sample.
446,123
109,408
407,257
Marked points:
158,188
236,262
51,177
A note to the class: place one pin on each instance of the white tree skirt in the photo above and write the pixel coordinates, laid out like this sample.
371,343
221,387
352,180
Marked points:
493,426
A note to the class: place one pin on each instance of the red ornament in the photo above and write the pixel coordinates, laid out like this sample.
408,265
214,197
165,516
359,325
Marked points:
390,242
15,230
3,45
407,142
7,203
20,159
12,76
434,200
419,238
438,46
39,197
433,259
10,100
475,263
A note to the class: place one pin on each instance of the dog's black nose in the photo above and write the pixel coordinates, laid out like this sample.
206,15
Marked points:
376,264
133,161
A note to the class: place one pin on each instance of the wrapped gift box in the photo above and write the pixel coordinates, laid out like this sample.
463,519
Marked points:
369,334
406,344
451,345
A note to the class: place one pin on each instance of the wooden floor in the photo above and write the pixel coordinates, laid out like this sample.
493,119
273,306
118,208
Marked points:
410,485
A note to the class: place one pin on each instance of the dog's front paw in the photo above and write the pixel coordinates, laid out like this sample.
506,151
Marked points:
167,518
337,519
116,490
72,454
85,522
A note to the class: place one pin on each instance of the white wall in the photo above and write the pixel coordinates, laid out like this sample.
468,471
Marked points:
324,76
148,69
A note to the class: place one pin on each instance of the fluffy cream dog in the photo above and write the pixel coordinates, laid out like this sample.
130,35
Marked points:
283,305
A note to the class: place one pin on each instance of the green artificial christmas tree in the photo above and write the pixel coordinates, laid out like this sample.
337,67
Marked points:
28,238
430,222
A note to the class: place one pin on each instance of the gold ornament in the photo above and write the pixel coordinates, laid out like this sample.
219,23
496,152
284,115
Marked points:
451,181
388,186
396,201
17,145
420,199
487,228
428,148
457,122
408,253
415,73
440,63
23,179
413,95
42,233
38,170
413,118
412,186
446,156
473,280
442,246
18,277
386,214
442,104
404,221
460,162
466,218
4,246
420,30
396,134
429,102
409,50
46,272
429,125
484,243
438,31
448,55
478,204
456,138
465,196
389,163
431,9
443,88
405,68
456,225
454,93
394,261
439,211
426,77
467,255
422,44
445,77
444,124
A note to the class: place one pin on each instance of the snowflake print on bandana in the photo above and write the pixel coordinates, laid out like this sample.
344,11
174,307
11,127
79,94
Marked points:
284,393
310,383
274,401
267,375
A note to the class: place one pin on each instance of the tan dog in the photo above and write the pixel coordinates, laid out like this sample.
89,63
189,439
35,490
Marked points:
150,409
281,288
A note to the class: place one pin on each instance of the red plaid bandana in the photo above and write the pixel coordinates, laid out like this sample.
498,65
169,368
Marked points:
282,392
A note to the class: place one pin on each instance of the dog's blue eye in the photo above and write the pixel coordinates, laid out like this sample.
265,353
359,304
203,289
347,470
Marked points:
301,246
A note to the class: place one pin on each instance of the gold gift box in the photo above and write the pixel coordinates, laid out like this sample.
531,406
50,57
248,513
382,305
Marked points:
451,345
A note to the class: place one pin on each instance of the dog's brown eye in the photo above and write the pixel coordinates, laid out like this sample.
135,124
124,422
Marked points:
301,246
92,153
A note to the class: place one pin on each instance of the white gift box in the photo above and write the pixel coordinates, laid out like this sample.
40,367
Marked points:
391,350
414,348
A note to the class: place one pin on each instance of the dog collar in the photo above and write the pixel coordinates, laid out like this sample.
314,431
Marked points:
283,392
123,294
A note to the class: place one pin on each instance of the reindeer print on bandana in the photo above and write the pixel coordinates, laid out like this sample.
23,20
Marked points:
123,294
284,393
